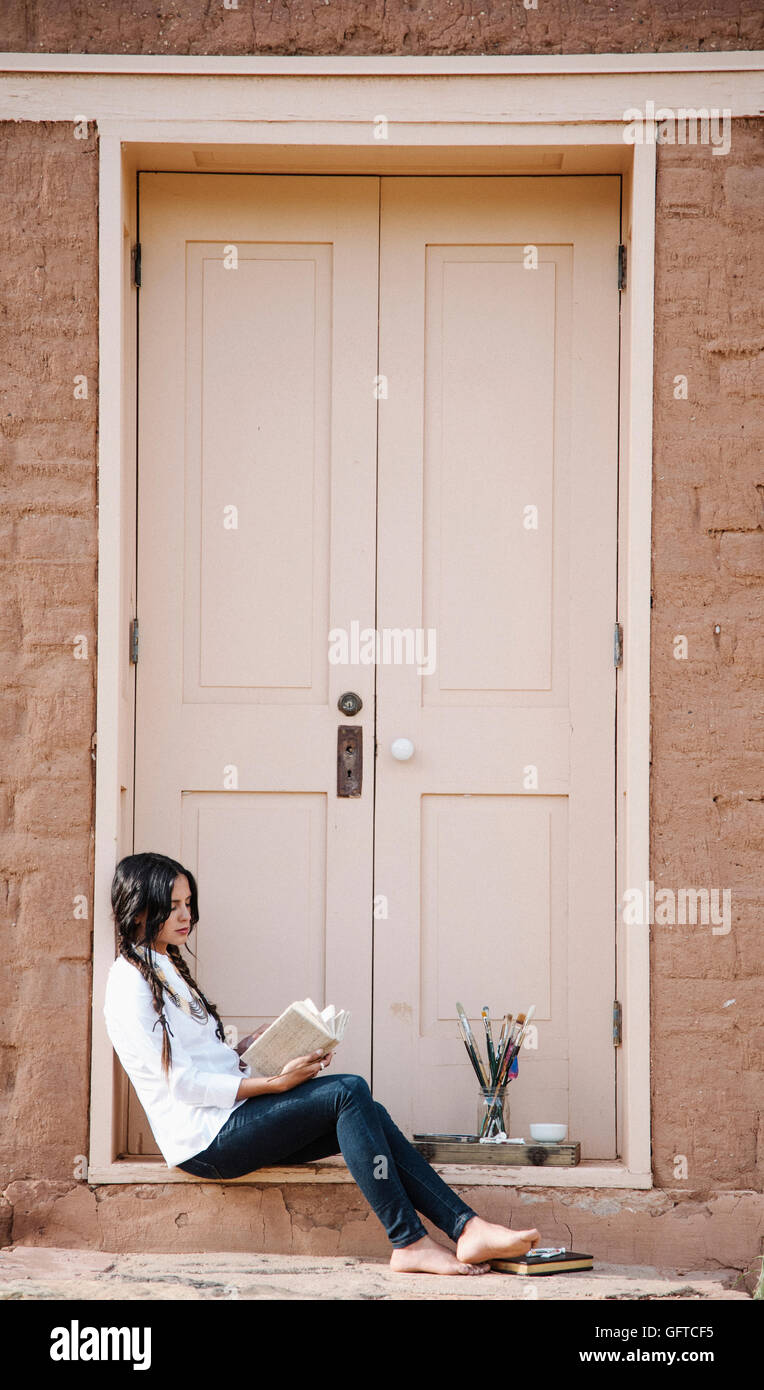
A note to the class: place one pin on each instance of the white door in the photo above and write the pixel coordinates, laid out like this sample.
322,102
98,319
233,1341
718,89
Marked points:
256,525
497,533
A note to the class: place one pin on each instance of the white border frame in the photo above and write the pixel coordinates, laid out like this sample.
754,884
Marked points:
500,65
511,102
634,1169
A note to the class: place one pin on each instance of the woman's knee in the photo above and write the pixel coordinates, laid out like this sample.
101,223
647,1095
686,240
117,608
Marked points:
355,1084
360,1087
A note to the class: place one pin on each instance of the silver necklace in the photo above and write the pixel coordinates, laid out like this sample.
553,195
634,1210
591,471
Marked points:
193,1006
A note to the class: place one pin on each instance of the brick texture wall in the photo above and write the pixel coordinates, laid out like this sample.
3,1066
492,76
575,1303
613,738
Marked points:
707,810
406,27
707,796
48,336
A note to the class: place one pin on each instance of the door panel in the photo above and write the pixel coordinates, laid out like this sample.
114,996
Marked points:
256,536
258,414
484,573
495,842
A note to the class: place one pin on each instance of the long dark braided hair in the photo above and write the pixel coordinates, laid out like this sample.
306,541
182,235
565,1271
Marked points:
146,881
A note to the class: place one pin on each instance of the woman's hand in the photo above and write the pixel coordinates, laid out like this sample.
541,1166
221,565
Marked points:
300,1069
293,1074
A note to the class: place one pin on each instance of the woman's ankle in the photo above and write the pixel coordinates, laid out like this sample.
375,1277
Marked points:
468,1222
412,1243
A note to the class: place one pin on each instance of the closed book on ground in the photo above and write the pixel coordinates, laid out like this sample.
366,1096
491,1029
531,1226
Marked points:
300,1030
533,1263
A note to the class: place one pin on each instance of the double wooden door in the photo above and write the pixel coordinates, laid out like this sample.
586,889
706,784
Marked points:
378,455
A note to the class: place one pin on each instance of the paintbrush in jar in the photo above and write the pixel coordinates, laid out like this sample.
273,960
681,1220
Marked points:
509,1044
501,1073
471,1038
473,1059
489,1043
503,1038
510,1053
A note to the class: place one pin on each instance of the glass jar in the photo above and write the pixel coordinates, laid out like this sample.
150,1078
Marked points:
492,1112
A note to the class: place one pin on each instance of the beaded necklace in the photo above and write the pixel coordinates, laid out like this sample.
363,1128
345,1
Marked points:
193,1006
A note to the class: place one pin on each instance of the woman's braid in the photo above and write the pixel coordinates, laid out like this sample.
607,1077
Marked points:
182,968
127,950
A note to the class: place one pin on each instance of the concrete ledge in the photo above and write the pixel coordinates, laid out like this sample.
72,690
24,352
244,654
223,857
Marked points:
667,1229
590,1173
55,1273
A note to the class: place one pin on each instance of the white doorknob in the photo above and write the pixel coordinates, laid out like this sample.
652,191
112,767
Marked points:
402,749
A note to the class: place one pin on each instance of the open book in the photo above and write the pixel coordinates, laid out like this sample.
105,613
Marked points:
300,1030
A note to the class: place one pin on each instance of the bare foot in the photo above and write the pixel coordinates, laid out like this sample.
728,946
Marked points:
482,1240
426,1256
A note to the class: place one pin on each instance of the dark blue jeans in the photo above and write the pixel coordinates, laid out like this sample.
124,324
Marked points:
329,1115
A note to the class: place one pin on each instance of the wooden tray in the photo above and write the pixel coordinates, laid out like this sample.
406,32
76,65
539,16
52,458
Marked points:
466,1148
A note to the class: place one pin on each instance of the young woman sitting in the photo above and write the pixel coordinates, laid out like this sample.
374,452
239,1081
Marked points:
211,1117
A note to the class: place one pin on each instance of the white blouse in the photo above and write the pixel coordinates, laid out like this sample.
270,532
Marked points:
187,1109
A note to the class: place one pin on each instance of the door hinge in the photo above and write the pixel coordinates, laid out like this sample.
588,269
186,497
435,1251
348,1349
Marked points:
135,257
622,267
617,1024
617,645
134,642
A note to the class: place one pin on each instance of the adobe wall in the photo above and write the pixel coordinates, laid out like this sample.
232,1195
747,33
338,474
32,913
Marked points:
707,792
48,336
686,1231
404,27
707,808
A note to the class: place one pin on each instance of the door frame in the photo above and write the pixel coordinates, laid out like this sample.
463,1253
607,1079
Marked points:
319,141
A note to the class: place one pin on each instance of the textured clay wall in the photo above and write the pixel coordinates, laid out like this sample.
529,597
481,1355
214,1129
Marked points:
48,337
707,808
405,27
707,814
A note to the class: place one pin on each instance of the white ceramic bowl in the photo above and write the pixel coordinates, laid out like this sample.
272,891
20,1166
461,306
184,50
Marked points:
548,1134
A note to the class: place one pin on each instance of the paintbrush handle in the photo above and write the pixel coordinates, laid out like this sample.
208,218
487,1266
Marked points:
524,1030
471,1055
521,1035
503,1054
507,1057
514,1050
471,1036
503,1042
489,1044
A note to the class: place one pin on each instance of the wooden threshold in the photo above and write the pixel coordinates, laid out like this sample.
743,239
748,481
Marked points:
589,1173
